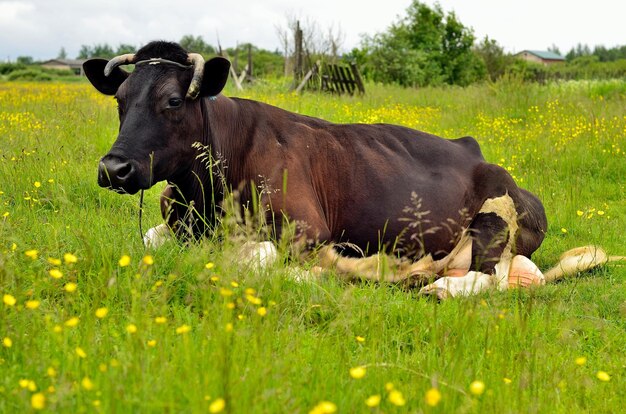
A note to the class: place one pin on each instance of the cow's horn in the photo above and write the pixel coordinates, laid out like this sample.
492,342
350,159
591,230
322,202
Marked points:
198,69
117,61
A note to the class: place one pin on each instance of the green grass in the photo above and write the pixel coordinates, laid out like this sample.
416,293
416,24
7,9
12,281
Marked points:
564,142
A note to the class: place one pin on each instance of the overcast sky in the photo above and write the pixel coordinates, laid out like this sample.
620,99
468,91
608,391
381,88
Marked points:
39,28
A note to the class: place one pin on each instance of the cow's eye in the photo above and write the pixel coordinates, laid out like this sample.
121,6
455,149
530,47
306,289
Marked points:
175,102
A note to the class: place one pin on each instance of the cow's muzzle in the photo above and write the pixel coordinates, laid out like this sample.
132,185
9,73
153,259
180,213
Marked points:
120,175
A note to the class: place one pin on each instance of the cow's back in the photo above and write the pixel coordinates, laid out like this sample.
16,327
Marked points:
369,184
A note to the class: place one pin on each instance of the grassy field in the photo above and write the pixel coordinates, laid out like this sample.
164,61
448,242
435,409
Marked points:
91,322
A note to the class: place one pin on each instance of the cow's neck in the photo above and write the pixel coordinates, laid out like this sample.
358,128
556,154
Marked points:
225,134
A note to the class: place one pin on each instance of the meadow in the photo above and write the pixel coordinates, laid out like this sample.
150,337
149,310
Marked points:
92,322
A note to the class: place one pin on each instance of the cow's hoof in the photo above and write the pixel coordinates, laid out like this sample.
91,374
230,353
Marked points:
433,290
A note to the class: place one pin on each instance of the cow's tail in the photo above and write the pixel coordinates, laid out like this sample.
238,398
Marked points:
579,259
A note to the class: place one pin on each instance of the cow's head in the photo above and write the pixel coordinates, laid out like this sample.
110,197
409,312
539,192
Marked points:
159,110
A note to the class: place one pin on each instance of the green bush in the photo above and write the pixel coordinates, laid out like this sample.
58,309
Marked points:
29,75
6,68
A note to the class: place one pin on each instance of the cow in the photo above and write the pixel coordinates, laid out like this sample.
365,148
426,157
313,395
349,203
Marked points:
422,207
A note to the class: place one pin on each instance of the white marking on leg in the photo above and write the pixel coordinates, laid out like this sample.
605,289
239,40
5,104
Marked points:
157,236
450,287
259,254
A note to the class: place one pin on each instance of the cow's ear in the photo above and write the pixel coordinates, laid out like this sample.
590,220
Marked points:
215,76
108,85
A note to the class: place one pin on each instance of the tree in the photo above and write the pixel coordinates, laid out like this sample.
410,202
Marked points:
426,47
317,43
25,60
196,44
123,49
99,50
62,54
492,54
554,49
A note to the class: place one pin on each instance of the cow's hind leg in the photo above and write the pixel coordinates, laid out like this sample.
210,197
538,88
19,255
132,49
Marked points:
510,221
492,232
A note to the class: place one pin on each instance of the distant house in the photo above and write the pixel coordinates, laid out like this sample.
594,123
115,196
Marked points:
539,56
75,65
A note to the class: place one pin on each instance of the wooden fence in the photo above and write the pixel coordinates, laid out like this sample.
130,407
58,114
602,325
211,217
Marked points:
334,78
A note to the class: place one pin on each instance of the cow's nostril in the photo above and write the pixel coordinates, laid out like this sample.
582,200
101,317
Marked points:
123,170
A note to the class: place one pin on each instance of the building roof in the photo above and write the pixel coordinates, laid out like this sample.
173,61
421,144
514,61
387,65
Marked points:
543,54
69,62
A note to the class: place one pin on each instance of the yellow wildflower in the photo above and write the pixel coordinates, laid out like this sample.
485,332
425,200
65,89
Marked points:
54,262
507,381
389,386
581,360
579,213
32,304
254,300
563,230
131,328
31,253
69,258
148,260
51,372
81,352
359,338
229,327
38,401
9,300
23,383
152,343
87,384
217,406
209,265
432,397
600,212
396,398
357,372
72,322
373,401
124,260
603,376
324,407
250,291
262,311
226,292
101,312
70,287
160,319
7,342
56,273
37,184
183,329
477,387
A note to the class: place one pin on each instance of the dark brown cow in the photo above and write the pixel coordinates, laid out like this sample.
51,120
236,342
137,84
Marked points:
377,187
